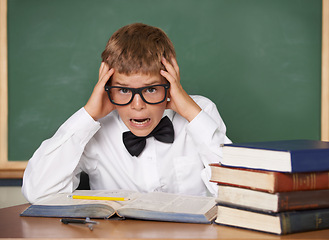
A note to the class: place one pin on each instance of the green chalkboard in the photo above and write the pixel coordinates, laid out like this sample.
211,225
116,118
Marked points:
258,60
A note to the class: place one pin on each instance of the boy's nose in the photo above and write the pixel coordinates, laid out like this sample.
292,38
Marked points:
137,102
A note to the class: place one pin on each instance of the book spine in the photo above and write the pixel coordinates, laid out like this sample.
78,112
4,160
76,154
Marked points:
301,181
302,221
310,160
300,200
288,182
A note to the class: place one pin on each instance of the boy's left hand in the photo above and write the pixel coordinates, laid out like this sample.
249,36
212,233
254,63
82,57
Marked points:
180,101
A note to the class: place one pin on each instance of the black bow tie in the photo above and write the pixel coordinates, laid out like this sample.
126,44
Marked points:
164,132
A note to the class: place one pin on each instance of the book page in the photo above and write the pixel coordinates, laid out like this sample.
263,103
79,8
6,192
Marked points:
166,202
66,198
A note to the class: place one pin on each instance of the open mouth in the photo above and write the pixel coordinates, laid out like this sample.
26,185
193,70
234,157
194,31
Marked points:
140,121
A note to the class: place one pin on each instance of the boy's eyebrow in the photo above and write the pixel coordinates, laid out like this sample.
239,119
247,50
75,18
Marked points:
120,84
153,82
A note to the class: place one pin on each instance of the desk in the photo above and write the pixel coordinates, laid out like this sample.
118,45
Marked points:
14,226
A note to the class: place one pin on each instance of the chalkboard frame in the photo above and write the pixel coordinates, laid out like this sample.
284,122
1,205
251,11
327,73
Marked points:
10,169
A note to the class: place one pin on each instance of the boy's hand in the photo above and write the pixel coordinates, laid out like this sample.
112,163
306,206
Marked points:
180,101
99,105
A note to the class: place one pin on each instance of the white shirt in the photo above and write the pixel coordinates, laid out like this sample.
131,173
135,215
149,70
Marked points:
96,147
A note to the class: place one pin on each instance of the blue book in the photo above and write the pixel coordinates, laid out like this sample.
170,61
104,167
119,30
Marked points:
281,156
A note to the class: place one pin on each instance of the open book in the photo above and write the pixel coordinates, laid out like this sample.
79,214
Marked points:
155,206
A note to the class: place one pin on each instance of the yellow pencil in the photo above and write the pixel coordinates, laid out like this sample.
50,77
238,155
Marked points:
99,198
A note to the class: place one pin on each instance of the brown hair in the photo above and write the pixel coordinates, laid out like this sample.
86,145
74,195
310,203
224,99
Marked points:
138,48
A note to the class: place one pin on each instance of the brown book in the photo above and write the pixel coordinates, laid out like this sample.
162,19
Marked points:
272,202
269,181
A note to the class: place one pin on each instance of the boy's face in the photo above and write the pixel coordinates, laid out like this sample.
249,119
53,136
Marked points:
141,118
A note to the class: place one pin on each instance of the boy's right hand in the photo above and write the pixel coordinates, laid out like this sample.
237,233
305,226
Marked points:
99,105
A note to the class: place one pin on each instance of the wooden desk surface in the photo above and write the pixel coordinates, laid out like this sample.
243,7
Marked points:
14,226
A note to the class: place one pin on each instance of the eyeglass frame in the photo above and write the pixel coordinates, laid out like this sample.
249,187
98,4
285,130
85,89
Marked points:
136,91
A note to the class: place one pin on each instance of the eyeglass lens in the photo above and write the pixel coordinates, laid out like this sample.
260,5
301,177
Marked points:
151,94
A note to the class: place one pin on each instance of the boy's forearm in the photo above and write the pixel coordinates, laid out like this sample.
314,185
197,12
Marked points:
51,168
190,109
207,128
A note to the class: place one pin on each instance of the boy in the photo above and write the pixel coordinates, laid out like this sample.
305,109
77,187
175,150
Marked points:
138,75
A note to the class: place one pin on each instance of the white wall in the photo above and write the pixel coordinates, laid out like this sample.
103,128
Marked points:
11,196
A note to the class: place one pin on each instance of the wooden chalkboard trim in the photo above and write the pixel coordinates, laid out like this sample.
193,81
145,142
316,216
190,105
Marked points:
8,169
3,82
13,169
325,72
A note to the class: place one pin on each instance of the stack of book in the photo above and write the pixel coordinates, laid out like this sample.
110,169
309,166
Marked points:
278,187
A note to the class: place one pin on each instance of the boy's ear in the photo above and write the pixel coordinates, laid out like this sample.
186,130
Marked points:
168,97
168,102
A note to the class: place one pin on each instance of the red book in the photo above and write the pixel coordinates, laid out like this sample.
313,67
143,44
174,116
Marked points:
269,181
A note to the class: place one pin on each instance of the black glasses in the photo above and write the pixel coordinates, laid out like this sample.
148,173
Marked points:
153,94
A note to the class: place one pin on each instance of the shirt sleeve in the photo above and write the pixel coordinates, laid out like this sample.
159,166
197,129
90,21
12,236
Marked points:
53,166
208,131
